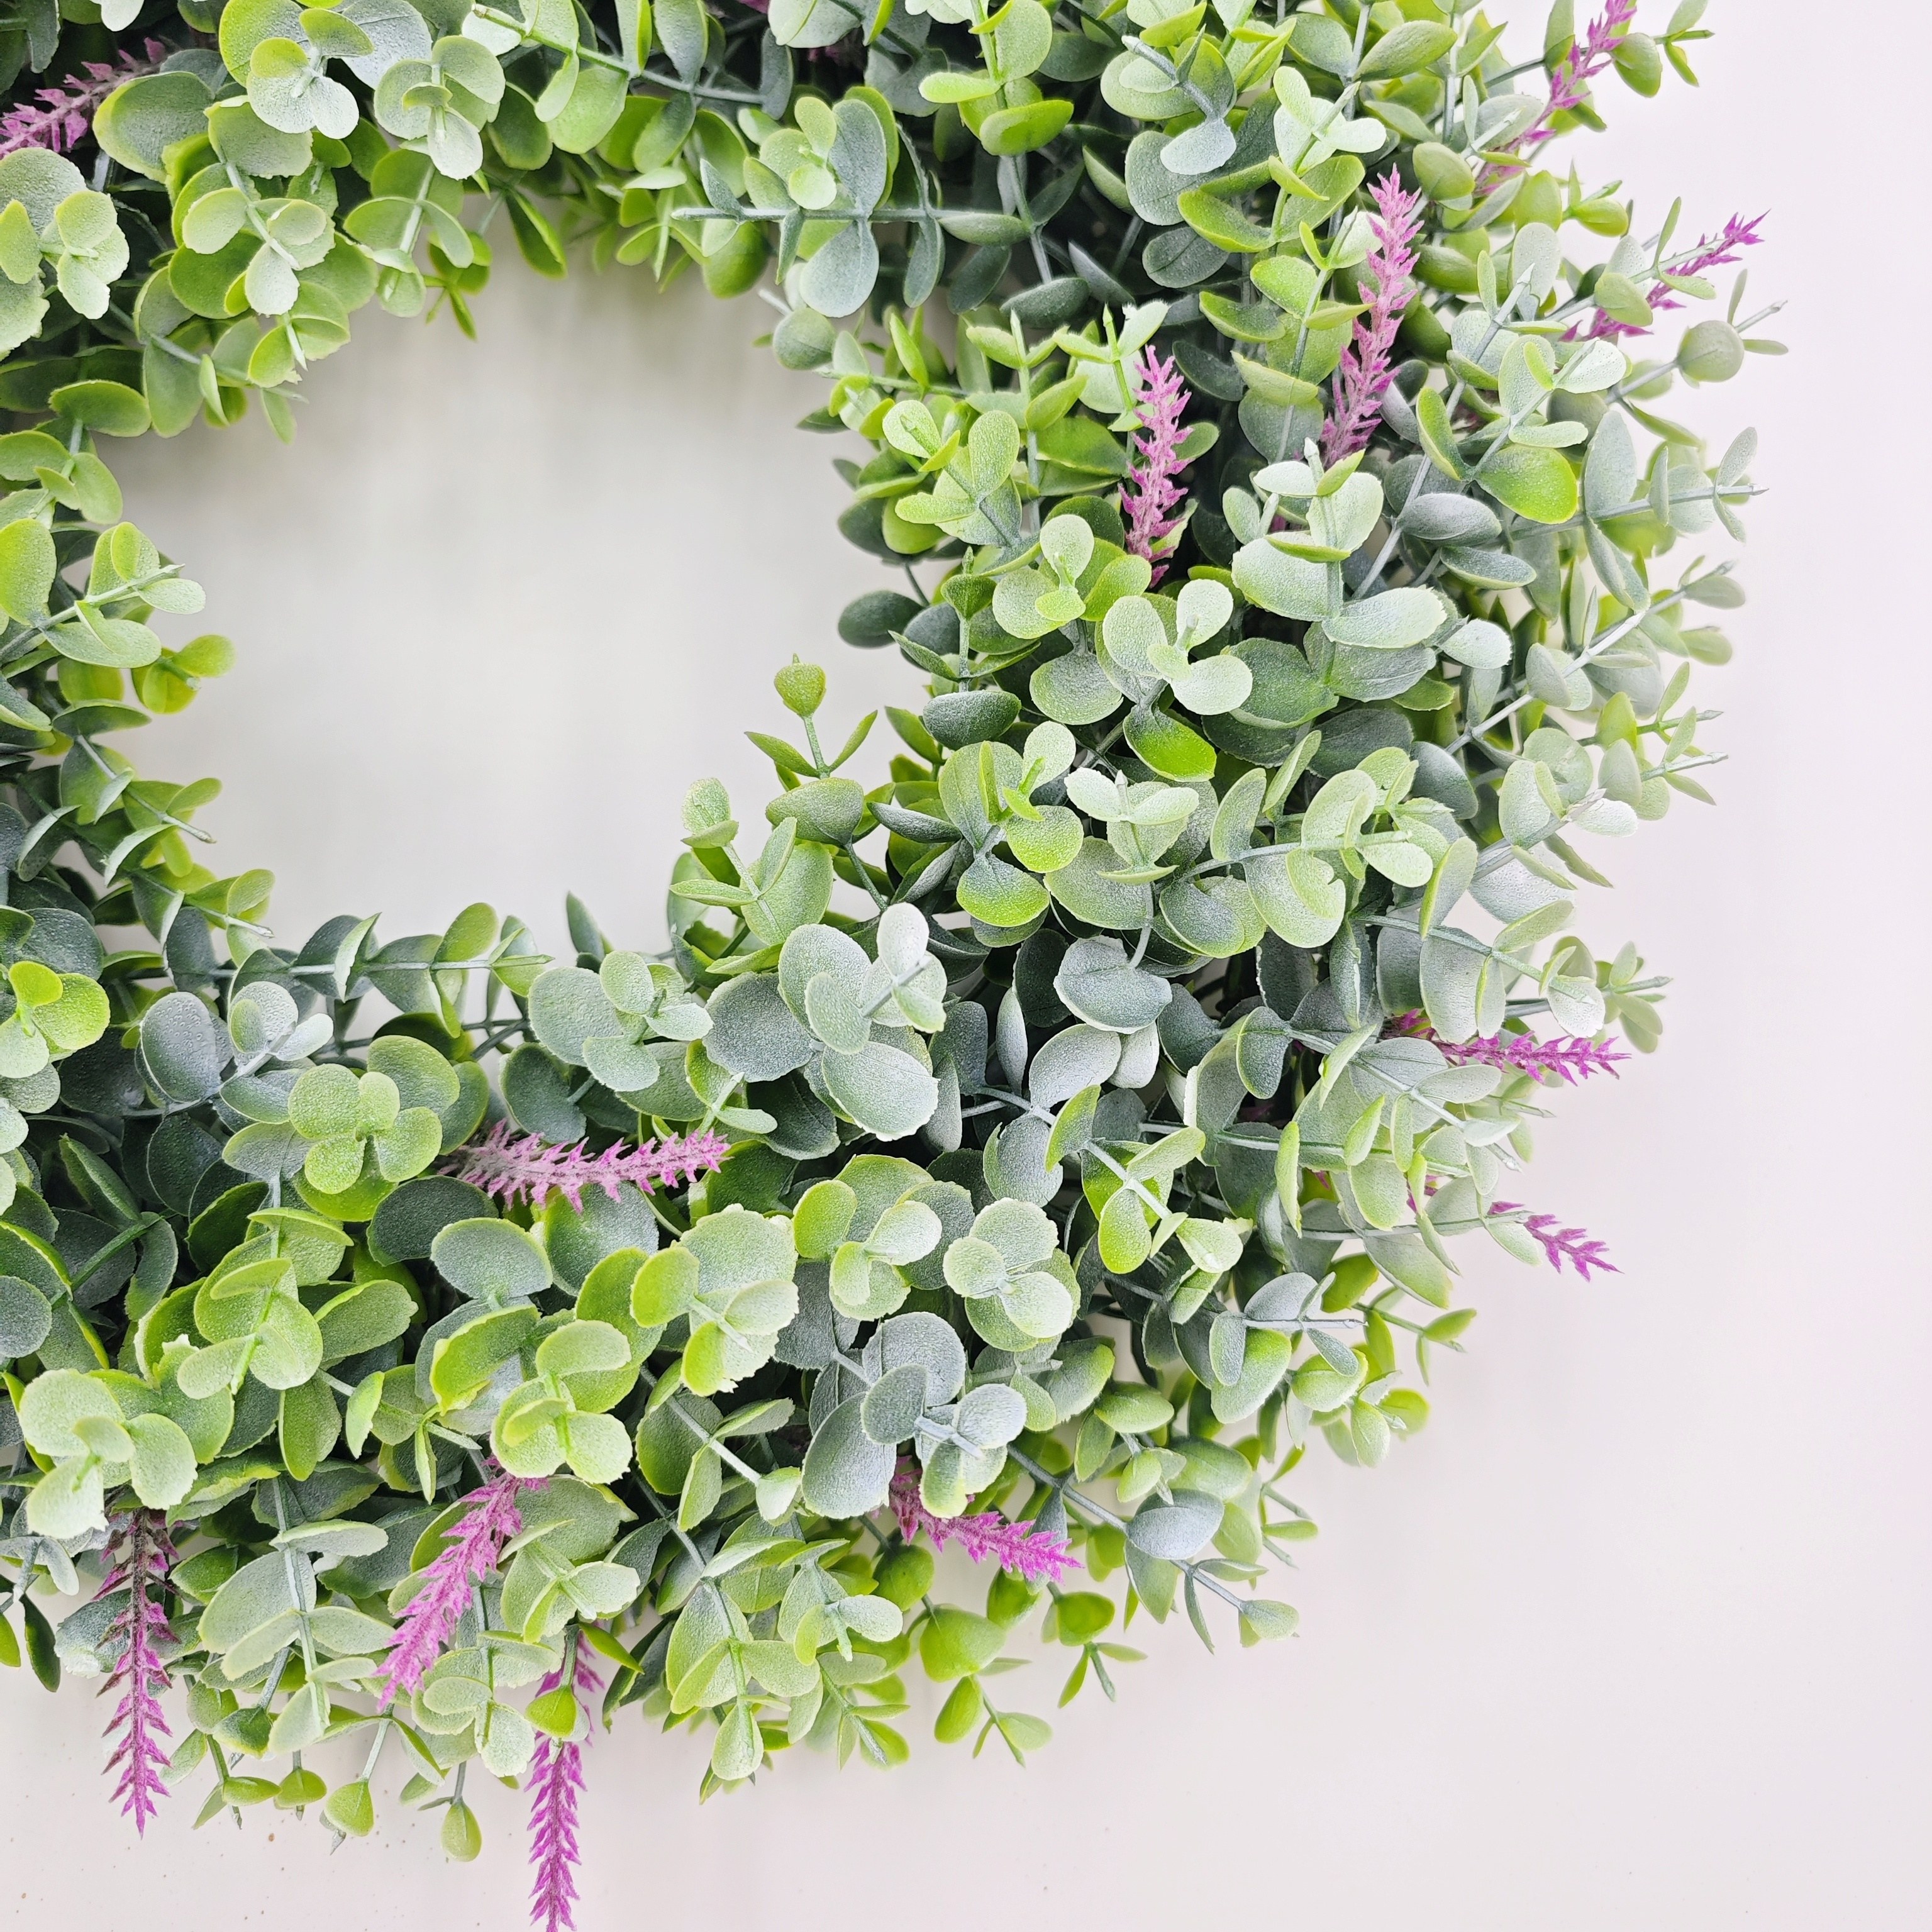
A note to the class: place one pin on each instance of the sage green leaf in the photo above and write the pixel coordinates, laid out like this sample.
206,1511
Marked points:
1298,895
163,1464
1538,483
846,1473
490,1260
67,1501
27,563
885,1090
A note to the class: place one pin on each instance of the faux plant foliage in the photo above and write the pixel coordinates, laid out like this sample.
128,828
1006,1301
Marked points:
1037,1140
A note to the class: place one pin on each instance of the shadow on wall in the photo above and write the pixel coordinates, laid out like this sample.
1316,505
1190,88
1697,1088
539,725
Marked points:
501,601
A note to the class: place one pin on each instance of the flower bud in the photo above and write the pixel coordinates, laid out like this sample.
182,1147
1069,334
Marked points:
707,811
800,687
301,1788
904,1577
350,1810
462,1835
1711,351
804,340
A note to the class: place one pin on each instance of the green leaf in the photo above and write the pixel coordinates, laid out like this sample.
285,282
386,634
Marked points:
162,1467
1000,894
846,1473
1078,442
1263,1620
309,1427
464,1362
240,135
956,1644
19,247
1299,896
959,1716
1171,748
1432,417
42,1652
1407,49
1019,131
27,566
820,1220
486,1258
109,408
1223,223
67,1501
1538,483
1622,301
139,121
462,1835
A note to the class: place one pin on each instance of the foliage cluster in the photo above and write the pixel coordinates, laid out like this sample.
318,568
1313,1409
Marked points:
1072,1123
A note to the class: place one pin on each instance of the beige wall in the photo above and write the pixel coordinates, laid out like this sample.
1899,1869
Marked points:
1635,1636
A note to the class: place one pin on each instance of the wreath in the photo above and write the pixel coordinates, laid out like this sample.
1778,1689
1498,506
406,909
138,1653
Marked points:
420,1348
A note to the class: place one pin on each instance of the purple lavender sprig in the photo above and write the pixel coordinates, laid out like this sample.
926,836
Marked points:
1569,1057
1037,1555
556,1780
1712,251
475,1545
1363,376
60,118
1569,83
1152,494
528,1169
142,1557
1573,1245
1586,59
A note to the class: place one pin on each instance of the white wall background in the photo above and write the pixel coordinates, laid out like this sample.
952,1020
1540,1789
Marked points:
500,603
1635,1636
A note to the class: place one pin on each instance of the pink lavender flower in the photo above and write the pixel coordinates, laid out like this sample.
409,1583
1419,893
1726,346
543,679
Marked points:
1562,1244
475,1545
528,1169
59,120
557,1778
1362,377
142,1556
1152,494
1570,81
1035,1554
1570,1057
1588,57
1712,251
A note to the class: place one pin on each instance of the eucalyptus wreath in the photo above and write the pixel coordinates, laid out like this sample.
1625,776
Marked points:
1037,1146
